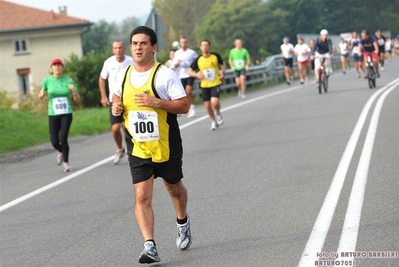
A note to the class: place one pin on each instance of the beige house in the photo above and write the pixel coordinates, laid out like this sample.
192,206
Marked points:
29,39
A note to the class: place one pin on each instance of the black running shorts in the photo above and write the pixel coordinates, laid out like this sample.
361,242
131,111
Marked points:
288,62
208,93
143,169
114,119
187,81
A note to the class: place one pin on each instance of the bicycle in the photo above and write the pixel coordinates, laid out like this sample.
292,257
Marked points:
371,72
323,78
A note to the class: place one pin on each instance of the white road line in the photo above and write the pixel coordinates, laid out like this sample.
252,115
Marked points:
54,184
95,165
322,225
350,229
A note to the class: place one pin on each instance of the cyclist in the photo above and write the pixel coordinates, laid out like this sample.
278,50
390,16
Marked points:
369,46
381,47
322,48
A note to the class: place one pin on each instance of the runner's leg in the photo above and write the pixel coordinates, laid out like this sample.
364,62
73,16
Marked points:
209,110
55,127
116,133
242,83
143,192
66,121
178,194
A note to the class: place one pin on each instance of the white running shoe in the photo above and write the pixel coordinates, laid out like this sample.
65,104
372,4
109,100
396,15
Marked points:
149,254
59,158
191,112
67,167
119,155
239,93
183,240
243,96
382,68
214,126
219,119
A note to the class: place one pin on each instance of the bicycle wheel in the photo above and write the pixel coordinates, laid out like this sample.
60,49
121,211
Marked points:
321,78
371,77
325,84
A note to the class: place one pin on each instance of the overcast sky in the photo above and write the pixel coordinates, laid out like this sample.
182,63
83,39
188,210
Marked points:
95,10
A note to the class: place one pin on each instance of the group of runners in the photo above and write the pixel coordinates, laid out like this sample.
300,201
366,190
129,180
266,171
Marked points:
145,98
375,46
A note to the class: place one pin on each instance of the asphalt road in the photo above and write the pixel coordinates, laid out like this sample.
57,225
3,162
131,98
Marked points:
271,187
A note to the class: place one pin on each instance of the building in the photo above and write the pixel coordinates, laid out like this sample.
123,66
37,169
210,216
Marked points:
29,39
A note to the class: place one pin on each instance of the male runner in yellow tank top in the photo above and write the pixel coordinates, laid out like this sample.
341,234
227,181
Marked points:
207,67
149,96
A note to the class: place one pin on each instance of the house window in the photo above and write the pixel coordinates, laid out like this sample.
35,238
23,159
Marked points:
23,80
20,46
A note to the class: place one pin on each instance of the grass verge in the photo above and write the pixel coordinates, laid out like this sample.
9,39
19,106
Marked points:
22,129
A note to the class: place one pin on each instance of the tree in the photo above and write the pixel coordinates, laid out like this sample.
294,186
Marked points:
85,72
250,20
101,34
181,17
97,36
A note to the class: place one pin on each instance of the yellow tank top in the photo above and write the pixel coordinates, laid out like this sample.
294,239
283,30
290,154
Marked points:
150,132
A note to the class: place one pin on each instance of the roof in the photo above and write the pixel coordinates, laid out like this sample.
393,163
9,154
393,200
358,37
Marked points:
15,17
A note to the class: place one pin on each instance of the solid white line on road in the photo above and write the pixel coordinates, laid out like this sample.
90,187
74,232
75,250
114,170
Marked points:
246,102
320,229
350,229
54,184
95,165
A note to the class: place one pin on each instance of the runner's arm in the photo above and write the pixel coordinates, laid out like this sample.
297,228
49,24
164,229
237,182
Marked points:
376,49
104,98
248,63
177,106
231,63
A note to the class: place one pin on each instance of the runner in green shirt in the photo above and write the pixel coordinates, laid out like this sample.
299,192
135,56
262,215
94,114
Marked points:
239,60
59,89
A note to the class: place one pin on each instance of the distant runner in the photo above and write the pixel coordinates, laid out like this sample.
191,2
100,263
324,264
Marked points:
302,52
59,89
206,67
287,53
183,59
109,72
239,60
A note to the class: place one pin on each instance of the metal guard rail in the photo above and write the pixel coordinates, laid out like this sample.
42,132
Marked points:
272,69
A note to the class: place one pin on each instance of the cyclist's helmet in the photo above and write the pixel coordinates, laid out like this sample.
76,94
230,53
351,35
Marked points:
323,32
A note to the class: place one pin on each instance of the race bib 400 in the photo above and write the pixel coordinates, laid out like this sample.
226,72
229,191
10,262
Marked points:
143,125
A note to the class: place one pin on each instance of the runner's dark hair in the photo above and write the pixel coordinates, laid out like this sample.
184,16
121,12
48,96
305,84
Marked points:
147,31
205,40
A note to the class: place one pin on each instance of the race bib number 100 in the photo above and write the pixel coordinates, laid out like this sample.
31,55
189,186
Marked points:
143,125
60,105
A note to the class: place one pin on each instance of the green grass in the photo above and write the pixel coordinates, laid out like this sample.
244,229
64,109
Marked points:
22,129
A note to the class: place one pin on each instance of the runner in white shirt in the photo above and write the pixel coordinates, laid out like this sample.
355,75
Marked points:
343,48
388,47
358,60
109,72
169,63
302,51
287,53
182,60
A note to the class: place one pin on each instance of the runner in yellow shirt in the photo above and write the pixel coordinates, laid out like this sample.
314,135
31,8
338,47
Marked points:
206,67
149,95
